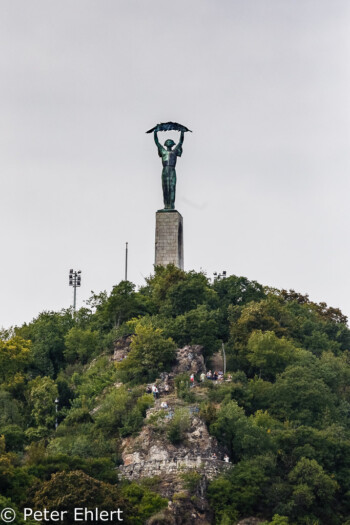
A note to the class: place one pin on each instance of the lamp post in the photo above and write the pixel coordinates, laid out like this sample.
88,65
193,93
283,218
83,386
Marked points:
56,404
75,281
224,356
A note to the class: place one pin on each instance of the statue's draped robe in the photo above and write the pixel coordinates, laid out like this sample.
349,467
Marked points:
169,174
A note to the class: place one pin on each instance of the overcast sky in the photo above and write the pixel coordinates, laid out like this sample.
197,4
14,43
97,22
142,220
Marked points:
263,183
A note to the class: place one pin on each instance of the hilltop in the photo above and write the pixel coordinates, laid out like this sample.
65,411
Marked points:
80,425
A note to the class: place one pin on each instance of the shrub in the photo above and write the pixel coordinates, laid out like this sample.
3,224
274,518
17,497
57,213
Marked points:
179,425
150,354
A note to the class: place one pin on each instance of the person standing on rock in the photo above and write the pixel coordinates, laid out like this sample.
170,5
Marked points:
155,392
192,379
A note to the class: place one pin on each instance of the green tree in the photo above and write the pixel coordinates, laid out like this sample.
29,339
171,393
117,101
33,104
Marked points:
70,490
116,404
221,500
80,344
238,291
197,326
179,425
240,490
271,354
10,410
335,372
240,434
14,359
144,503
312,490
122,304
42,394
188,294
159,284
266,315
299,394
150,354
175,292
47,332
90,382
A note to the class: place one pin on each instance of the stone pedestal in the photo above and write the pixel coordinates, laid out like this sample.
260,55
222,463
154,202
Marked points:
169,239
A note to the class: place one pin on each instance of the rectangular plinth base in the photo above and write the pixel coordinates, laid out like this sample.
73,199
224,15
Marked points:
169,239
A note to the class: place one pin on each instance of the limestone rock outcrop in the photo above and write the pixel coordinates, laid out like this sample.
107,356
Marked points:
189,359
167,462
151,452
151,455
121,348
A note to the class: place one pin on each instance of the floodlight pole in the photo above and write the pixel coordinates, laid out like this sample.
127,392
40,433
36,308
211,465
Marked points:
75,281
74,298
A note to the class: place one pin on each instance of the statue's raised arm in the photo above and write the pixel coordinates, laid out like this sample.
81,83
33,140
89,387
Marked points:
182,136
156,138
161,148
178,147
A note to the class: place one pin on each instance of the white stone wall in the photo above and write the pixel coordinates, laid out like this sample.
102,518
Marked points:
147,469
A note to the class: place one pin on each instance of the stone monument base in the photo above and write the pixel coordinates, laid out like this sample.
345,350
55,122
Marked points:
169,239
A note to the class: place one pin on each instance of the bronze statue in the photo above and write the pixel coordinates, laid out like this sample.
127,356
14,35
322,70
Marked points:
169,158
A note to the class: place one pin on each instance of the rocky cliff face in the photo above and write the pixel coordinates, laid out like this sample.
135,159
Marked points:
121,348
189,359
151,453
179,467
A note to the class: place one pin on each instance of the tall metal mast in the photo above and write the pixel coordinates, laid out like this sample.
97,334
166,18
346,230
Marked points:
126,261
75,281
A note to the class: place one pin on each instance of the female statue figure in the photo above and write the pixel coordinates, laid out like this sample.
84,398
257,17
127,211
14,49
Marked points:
169,158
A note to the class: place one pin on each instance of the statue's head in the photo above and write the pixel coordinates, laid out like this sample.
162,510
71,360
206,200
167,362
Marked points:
169,143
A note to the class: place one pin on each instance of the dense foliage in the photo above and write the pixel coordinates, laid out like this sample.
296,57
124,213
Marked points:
284,419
